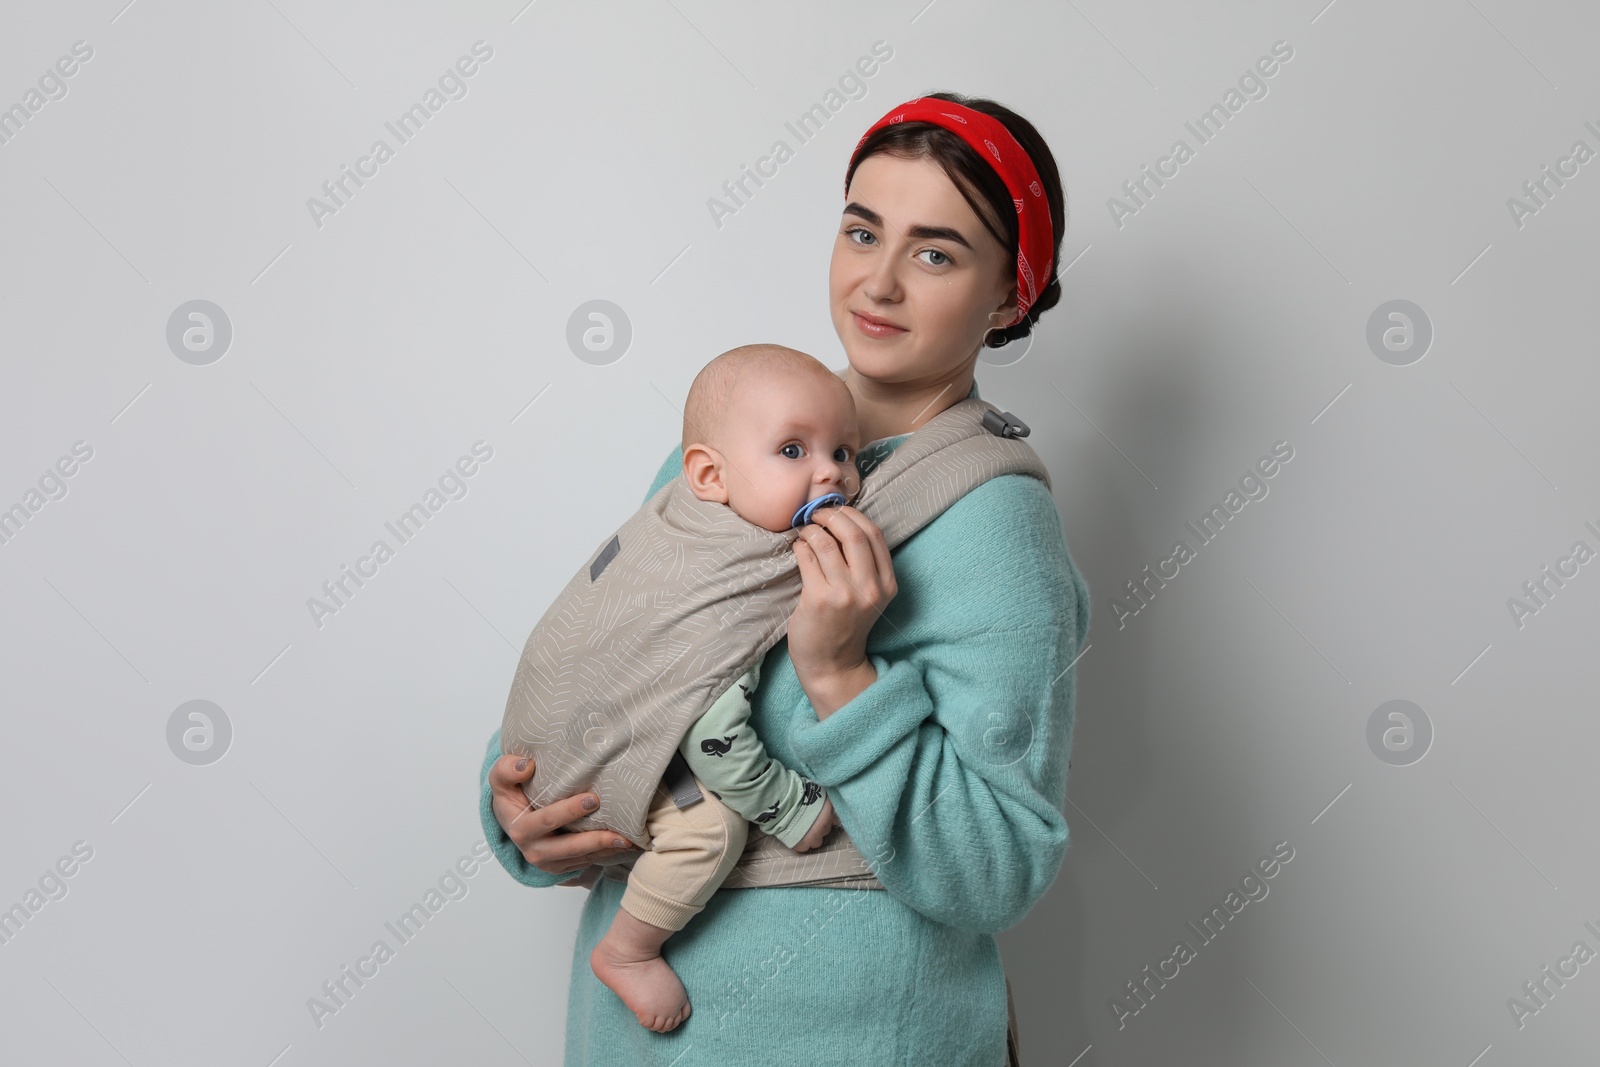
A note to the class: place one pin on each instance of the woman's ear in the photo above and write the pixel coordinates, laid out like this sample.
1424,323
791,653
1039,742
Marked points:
998,319
702,470
1008,306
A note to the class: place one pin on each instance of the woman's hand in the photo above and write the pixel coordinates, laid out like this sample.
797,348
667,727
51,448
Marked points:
826,821
847,579
535,831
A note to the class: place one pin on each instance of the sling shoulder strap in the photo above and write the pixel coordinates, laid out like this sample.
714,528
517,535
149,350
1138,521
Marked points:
681,601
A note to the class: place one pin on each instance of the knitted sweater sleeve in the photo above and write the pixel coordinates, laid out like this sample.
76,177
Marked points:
949,771
505,851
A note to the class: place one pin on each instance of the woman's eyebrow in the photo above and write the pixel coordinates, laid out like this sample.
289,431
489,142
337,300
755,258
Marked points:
917,232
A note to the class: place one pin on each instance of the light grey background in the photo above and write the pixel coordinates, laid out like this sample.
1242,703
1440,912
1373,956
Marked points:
369,354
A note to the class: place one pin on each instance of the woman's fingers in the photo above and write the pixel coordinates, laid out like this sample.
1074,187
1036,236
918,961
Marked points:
872,541
848,529
522,822
552,850
849,557
560,853
813,577
511,808
535,831
829,554
504,773
555,815
880,552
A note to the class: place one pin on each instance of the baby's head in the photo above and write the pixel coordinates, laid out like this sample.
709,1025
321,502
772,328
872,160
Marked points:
765,429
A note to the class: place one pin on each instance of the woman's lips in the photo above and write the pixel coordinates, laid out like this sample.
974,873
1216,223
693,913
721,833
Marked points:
875,329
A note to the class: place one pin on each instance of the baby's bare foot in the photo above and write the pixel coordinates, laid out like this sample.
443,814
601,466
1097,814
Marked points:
646,984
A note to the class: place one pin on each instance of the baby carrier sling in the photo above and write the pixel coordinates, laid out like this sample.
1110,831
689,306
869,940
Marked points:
676,606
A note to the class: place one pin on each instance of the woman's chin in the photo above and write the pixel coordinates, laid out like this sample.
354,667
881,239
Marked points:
878,362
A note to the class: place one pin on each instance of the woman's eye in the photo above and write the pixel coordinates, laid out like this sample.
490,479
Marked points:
841,455
852,231
944,260
791,451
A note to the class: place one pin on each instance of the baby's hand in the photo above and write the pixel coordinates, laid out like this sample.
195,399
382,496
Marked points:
819,829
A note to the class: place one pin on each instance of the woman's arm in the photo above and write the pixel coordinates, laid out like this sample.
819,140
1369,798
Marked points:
506,850
949,769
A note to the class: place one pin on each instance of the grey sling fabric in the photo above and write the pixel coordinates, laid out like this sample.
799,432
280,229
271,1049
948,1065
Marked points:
681,601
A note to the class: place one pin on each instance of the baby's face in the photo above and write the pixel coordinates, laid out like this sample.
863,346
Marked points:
790,438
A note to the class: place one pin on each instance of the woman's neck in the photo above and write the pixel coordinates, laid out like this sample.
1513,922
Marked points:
887,409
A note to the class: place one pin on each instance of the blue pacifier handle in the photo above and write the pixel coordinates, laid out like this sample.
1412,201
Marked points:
809,508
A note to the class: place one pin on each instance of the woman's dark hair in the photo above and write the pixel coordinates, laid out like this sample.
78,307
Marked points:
982,187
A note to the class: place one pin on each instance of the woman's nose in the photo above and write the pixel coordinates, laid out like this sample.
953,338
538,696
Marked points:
883,279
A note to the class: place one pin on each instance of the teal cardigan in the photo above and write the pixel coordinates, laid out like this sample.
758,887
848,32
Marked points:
949,772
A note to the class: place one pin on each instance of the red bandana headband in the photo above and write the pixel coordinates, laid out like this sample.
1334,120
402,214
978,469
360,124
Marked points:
989,137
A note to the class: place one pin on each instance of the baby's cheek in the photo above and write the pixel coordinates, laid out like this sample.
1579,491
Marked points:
773,511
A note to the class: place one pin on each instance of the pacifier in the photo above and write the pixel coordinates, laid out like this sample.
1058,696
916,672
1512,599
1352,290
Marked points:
809,508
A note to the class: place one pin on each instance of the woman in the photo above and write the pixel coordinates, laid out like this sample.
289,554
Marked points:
941,732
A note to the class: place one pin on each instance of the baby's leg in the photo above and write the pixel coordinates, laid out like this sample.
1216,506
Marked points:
692,851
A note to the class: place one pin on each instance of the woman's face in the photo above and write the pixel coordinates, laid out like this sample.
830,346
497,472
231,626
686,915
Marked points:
912,255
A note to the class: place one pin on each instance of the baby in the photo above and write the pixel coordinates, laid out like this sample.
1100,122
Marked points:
766,429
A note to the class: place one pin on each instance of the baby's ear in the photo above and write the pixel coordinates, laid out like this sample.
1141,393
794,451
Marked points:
702,470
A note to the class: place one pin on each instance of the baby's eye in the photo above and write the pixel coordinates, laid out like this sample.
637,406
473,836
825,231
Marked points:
796,452
841,455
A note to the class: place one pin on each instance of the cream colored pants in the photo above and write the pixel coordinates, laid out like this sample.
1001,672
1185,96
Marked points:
691,851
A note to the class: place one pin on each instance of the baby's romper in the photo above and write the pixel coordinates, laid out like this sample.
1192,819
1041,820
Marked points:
692,849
